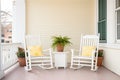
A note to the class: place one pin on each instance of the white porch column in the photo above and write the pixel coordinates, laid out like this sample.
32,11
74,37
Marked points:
18,29
1,71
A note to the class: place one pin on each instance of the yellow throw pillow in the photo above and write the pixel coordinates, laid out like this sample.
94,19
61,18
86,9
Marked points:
87,50
36,51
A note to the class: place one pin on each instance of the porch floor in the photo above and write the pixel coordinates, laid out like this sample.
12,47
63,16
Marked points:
61,74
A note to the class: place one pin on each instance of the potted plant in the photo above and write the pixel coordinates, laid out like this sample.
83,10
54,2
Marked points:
21,56
60,42
100,57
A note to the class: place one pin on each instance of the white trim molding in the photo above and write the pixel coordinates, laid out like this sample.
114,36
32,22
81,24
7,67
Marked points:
113,46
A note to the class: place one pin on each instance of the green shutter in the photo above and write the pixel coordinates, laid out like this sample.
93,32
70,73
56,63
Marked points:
102,20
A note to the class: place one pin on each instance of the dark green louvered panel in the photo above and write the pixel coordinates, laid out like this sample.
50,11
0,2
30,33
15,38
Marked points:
102,21
117,3
100,10
104,9
118,24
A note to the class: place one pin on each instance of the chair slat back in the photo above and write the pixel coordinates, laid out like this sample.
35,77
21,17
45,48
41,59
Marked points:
89,40
32,40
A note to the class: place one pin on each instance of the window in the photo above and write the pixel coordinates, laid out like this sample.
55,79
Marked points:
9,37
2,35
102,19
117,11
7,41
2,40
10,30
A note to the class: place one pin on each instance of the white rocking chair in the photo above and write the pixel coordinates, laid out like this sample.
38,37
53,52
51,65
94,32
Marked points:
43,60
88,53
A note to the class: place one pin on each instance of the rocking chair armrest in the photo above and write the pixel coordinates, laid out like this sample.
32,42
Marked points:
43,50
47,50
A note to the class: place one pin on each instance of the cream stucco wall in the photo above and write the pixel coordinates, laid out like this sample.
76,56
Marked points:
61,17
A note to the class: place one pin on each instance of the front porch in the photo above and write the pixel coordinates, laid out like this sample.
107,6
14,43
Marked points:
61,74
63,17
14,72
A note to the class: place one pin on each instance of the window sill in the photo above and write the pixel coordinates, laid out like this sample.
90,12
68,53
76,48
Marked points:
107,45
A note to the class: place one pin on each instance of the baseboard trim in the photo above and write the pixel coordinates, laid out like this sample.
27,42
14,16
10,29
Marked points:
1,74
11,68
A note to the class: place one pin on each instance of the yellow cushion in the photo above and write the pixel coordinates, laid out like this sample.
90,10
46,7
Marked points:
87,50
36,51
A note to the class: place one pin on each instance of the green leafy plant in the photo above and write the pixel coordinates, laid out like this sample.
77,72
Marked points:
20,53
100,53
60,41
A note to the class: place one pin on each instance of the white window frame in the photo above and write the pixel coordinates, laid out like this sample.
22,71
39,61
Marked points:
111,24
111,30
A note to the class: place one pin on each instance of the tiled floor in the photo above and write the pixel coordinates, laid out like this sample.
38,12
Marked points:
61,74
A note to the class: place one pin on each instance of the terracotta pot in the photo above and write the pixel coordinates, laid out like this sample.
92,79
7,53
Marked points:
22,61
60,48
100,60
